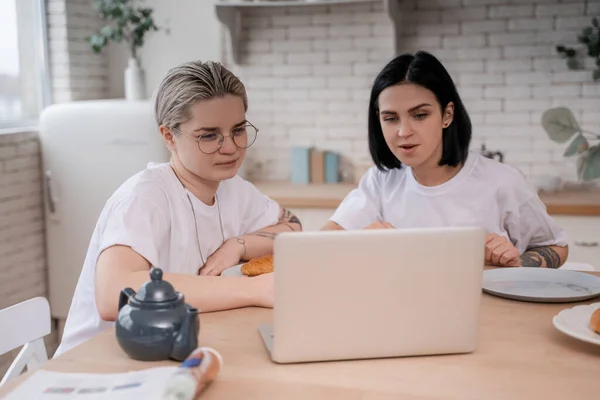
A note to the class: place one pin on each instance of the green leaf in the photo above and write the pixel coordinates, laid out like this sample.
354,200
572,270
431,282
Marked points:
572,63
561,48
595,22
98,42
596,74
560,124
587,31
107,31
578,145
591,170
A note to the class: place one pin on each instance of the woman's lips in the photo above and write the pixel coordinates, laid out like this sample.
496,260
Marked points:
227,164
408,149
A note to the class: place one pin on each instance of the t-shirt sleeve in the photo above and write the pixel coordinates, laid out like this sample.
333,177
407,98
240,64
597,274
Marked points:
362,206
140,223
530,225
259,210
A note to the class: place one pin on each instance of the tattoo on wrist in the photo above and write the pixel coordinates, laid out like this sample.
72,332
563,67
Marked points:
269,235
535,257
286,215
295,220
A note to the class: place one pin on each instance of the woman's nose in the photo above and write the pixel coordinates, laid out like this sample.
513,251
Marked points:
228,145
405,130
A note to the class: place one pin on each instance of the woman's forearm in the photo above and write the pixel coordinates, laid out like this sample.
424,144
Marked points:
260,243
331,226
207,293
545,256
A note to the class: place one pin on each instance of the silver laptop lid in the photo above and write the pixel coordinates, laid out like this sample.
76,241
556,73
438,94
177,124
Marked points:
376,293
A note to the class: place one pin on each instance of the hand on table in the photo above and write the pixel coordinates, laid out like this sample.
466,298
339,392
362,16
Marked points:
228,255
499,251
380,225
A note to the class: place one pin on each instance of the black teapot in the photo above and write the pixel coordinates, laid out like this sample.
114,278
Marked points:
155,324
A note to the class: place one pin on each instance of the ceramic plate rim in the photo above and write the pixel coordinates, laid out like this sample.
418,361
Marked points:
575,335
541,299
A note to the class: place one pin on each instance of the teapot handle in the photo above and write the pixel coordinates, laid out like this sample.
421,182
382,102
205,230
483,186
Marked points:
125,296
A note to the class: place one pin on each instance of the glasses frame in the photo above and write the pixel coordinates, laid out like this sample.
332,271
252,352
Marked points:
221,140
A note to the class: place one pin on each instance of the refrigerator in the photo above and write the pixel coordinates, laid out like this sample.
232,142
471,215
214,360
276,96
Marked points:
88,148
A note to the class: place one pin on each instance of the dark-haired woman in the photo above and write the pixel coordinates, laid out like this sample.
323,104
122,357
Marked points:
425,175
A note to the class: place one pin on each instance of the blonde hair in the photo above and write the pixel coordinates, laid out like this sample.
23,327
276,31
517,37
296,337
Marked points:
190,82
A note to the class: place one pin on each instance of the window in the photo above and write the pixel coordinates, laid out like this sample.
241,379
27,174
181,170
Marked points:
24,82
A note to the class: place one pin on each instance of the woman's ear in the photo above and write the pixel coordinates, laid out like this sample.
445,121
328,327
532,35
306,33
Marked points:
168,137
448,116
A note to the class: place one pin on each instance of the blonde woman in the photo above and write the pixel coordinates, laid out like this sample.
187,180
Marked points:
192,217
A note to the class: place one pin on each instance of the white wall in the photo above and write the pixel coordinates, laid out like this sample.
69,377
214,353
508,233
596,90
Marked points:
308,71
189,31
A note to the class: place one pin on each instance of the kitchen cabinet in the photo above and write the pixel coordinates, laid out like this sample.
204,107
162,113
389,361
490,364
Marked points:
583,237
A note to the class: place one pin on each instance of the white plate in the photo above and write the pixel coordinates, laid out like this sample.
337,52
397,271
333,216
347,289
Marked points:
542,285
236,270
575,322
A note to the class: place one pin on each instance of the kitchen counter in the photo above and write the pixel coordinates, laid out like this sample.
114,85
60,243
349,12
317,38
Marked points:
306,195
572,202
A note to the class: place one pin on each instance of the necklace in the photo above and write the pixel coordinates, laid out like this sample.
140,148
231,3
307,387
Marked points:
196,223
187,193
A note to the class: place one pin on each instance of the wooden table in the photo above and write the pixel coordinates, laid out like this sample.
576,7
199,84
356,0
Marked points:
520,356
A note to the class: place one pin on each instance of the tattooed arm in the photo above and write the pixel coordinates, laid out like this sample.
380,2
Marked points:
545,256
260,243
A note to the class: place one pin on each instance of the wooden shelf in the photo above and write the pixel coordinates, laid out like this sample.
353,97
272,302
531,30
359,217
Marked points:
230,15
330,195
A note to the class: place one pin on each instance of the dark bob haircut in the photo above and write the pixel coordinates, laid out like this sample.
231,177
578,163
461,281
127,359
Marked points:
425,70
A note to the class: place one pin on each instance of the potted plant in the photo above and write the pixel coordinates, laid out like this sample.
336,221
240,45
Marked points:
129,22
590,44
561,126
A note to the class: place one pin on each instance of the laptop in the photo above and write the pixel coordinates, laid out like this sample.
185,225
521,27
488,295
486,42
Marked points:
343,295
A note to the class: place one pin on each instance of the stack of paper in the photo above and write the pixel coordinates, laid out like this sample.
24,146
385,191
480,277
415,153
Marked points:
45,385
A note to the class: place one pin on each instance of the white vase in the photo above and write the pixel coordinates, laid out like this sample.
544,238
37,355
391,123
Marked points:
135,84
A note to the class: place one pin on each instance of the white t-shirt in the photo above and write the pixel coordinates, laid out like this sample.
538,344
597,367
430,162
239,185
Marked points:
151,213
484,193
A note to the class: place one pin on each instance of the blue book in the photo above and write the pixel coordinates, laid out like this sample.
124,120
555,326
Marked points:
332,167
300,165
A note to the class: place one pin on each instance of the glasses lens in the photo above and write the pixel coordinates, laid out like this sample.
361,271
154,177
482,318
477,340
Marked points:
210,142
245,136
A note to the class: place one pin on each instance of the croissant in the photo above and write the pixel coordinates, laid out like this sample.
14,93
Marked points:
595,321
258,266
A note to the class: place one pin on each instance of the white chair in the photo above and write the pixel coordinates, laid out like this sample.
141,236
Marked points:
25,324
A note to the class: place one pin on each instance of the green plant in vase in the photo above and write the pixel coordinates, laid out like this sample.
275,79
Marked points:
129,23
561,126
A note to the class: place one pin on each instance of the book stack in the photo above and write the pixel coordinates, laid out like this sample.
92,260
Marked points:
312,165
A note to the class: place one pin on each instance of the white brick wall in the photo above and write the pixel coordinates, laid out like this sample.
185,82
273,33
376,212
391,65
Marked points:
22,248
309,71
77,73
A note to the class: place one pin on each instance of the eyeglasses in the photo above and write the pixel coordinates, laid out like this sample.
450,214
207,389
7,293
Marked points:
211,142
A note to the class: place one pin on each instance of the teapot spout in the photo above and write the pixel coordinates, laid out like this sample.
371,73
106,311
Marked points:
186,339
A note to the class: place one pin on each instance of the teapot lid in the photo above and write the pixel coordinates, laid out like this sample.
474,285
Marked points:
156,290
